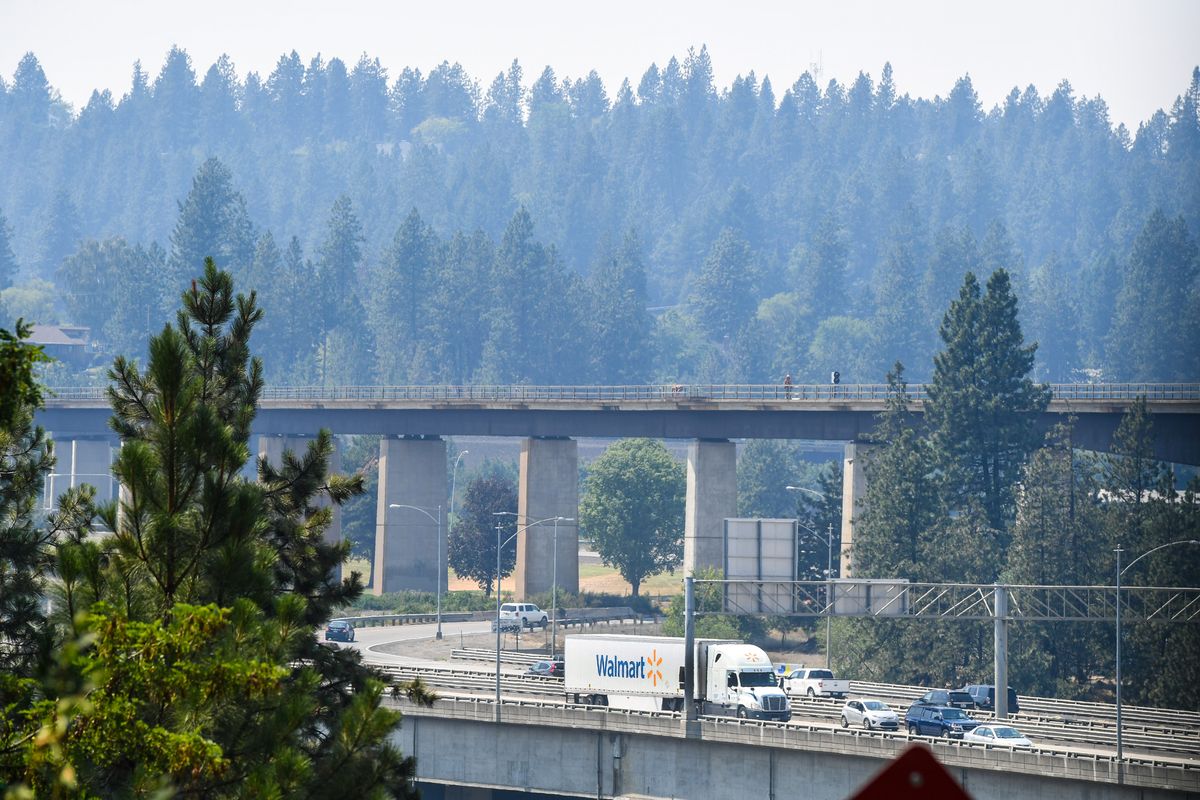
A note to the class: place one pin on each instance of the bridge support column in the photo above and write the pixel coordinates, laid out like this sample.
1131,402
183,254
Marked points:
549,487
711,498
272,447
412,471
82,460
854,486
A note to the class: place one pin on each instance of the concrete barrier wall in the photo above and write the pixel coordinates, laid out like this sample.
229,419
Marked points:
605,754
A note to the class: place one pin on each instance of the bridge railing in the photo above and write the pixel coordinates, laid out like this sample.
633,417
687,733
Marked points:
675,392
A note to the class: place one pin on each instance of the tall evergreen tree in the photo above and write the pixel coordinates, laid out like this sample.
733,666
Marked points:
8,262
345,337
196,547
60,237
517,340
620,324
1157,286
213,223
397,309
982,404
724,293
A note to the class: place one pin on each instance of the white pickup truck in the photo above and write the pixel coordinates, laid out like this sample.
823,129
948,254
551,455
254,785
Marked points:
814,683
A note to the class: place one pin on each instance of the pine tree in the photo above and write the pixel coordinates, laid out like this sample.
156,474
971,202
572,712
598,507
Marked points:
345,336
8,262
620,324
1059,538
403,288
60,236
982,405
26,458
723,295
213,223
198,548
1156,286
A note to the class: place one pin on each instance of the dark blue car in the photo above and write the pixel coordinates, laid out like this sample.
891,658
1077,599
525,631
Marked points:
339,631
938,721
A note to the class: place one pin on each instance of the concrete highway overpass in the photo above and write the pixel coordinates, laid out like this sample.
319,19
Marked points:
462,754
410,544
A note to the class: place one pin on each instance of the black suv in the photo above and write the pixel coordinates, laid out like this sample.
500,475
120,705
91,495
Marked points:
947,697
984,696
938,721
551,669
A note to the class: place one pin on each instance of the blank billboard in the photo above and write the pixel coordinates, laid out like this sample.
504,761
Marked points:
760,550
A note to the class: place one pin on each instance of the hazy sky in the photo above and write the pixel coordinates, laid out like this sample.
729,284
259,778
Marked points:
1137,54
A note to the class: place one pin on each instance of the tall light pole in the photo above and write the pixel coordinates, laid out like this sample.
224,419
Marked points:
554,591
500,545
453,478
438,521
828,575
1120,572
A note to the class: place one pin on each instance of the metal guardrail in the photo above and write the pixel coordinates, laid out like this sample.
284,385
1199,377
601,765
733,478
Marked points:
375,620
665,393
578,616
1052,733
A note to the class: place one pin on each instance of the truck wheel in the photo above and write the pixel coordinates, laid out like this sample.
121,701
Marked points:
811,693
741,713
543,623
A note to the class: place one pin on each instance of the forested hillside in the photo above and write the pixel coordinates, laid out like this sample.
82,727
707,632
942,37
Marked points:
416,228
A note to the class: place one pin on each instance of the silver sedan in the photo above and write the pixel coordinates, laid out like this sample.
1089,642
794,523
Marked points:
871,714
997,735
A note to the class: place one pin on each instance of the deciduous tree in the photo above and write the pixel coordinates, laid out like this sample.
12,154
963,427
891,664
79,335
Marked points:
472,544
632,507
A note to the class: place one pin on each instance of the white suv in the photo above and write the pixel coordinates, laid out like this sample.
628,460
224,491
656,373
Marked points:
526,613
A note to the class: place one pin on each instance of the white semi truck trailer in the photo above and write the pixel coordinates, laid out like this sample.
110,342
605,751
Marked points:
646,673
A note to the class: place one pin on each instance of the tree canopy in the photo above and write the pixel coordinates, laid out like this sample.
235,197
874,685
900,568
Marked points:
632,508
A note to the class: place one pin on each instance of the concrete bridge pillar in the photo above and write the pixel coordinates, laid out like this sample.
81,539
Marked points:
412,472
854,487
272,447
549,487
80,460
711,498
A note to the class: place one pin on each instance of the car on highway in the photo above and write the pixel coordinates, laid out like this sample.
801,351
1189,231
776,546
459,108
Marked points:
527,614
871,714
997,736
947,697
945,721
984,696
339,630
550,669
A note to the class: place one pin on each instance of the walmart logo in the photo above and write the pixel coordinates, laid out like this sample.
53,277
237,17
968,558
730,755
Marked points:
638,668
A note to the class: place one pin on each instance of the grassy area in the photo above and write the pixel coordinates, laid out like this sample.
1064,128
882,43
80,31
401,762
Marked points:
603,578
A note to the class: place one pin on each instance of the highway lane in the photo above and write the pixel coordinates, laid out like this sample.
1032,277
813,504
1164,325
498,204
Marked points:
384,646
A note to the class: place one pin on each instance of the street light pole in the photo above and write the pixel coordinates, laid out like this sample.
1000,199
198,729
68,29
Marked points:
453,478
500,545
1120,572
438,521
1120,753
554,591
